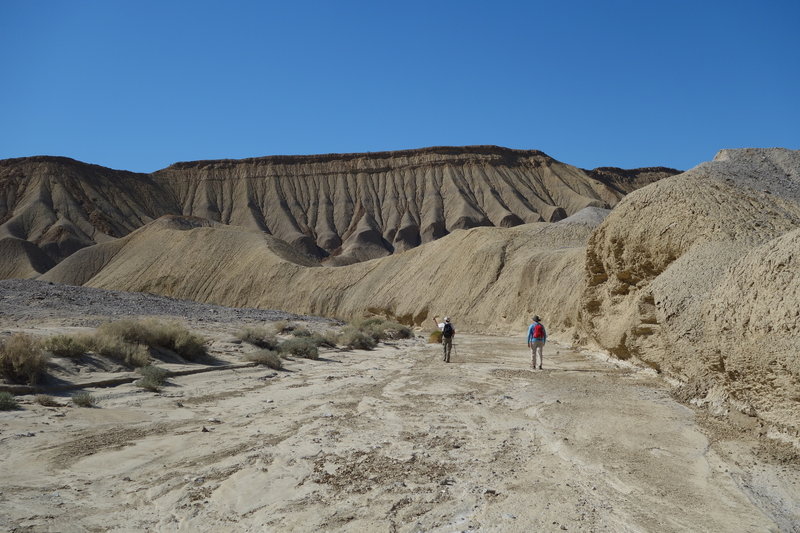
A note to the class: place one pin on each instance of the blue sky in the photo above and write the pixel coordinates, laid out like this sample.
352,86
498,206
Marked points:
139,85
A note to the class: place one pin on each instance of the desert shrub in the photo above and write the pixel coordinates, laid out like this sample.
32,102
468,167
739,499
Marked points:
115,347
355,338
300,347
22,358
435,337
8,402
157,334
329,339
47,401
388,329
84,399
301,332
149,383
282,327
68,345
153,378
260,337
266,357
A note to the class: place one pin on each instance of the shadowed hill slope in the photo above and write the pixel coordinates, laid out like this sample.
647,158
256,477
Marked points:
342,208
698,276
487,278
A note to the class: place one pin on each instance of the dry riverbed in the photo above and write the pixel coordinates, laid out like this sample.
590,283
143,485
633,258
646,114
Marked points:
391,439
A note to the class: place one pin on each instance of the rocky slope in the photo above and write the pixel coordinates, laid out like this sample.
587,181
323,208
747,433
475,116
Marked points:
341,208
698,275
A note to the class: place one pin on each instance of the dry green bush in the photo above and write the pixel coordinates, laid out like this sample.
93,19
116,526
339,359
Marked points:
153,378
355,338
156,334
300,347
282,327
22,358
115,347
47,401
266,357
68,345
84,399
8,402
329,339
435,337
301,332
259,337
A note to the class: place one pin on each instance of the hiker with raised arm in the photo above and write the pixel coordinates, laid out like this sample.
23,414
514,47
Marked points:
537,337
448,332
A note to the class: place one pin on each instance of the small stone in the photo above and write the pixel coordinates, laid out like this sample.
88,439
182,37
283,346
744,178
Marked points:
215,420
205,429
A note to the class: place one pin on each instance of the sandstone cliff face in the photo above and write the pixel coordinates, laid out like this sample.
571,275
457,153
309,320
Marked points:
697,276
341,208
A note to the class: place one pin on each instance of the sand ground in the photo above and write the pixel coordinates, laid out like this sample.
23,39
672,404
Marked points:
393,440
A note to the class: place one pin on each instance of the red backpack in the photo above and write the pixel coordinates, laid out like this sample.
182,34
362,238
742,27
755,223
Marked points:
538,331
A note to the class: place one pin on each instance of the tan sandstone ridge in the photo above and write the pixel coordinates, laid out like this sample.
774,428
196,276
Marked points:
341,208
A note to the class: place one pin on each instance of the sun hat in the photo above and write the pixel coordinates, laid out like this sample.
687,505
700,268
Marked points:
536,318
447,319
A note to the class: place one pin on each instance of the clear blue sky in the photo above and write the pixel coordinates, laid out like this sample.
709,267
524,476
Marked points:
139,84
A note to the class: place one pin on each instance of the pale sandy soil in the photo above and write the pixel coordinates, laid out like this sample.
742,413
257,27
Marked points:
393,440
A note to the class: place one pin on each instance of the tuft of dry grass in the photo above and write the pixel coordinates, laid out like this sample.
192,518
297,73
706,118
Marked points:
8,402
68,345
110,345
329,339
300,347
84,399
156,334
266,357
259,337
435,337
153,378
47,401
356,339
22,358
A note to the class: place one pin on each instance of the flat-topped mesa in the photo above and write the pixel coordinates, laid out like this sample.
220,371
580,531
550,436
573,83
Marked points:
341,208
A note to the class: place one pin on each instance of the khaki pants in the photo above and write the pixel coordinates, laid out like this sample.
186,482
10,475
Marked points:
447,346
537,349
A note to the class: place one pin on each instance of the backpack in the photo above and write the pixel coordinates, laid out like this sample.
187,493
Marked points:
538,331
447,330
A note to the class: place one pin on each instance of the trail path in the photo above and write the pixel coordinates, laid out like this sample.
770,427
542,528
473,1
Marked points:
389,440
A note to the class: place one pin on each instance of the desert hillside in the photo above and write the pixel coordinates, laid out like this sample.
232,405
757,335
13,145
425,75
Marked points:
698,275
341,208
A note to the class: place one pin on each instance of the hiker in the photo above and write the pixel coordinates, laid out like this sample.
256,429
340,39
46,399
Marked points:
537,337
448,332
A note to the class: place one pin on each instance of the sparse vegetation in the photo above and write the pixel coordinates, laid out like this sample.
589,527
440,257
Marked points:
355,338
22,358
153,378
266,357
8,402
47,401
155,334
328,339
68,345
435,337
84,399
283,327
300,347
117,348
259,337
301,332
367,333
